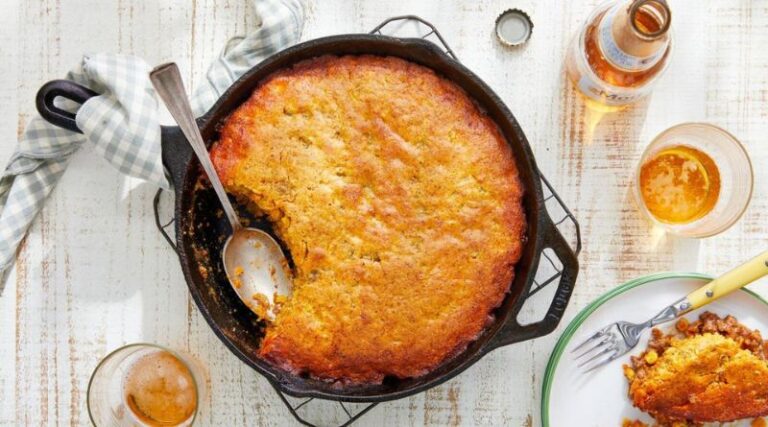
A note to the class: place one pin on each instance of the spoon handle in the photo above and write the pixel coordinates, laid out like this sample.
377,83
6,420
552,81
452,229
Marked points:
167,81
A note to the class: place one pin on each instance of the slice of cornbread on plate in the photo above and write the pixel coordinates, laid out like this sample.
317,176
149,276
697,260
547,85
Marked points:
712,370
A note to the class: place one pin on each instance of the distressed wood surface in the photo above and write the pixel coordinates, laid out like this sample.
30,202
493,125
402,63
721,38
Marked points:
94,274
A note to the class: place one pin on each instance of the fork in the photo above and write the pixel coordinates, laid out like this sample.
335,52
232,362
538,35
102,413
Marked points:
618,338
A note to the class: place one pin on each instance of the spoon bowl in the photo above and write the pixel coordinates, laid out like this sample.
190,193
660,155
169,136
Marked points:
257,269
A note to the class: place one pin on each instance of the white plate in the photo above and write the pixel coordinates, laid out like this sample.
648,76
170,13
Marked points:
599,398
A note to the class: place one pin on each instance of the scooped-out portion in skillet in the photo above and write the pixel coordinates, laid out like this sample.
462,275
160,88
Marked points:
399,202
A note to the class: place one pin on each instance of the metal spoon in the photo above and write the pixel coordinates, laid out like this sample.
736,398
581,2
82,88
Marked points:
254,262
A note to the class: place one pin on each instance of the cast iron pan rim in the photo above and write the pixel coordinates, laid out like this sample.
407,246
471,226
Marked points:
536,221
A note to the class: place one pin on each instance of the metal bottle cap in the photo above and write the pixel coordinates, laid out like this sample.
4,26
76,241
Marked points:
513,27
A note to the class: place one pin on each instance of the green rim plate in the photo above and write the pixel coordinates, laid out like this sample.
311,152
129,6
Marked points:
557,352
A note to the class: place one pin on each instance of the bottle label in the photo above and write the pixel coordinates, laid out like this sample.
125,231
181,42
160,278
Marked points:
605,94
614,54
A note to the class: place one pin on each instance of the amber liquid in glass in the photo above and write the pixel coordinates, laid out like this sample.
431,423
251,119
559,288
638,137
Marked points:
159,390
610,73
679,184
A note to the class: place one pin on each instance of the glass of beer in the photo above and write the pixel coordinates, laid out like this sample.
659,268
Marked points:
145,385
694,180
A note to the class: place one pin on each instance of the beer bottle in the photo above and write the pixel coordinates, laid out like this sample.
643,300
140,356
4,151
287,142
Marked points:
621,50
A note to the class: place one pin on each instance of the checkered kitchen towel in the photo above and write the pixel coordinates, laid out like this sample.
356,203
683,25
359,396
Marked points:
122,123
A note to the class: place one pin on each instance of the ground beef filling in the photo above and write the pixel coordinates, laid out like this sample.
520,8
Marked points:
729,327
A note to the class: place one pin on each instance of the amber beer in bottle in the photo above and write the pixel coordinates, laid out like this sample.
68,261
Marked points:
621,50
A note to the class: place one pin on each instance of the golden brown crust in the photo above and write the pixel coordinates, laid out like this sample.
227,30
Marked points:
401,206
715,372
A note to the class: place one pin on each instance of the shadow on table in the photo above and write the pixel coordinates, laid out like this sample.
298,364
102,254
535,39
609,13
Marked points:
647,248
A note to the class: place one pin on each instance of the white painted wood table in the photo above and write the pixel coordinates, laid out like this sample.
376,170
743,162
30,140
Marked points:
94,274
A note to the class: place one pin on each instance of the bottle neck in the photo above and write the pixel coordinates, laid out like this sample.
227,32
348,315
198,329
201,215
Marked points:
634,35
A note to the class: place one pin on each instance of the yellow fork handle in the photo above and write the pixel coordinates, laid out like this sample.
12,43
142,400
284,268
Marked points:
735,279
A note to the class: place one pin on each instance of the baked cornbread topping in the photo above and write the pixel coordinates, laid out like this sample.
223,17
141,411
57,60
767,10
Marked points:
399,202
711,370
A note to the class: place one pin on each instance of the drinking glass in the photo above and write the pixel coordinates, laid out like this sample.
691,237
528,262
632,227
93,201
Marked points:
736,178
106,389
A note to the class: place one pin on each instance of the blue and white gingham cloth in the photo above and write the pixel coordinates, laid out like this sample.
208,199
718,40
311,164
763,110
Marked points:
122,122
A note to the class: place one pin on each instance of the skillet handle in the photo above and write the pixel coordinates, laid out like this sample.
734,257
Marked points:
174,152
512,331
66,89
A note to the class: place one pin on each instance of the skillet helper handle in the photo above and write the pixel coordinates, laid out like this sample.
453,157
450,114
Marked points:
432,30
735,279
513,331
66,89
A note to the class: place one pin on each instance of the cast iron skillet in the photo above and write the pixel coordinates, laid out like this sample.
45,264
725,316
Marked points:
200,231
